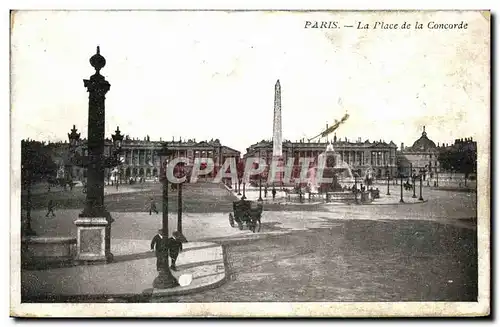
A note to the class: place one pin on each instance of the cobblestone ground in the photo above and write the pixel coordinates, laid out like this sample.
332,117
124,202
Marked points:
414,252
352,261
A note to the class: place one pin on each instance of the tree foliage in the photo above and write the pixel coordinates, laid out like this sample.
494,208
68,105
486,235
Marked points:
460,158
36,163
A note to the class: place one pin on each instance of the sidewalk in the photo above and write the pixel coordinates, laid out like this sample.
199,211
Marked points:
252,194
131,275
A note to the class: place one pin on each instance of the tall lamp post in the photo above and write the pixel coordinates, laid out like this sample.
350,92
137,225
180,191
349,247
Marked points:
401,200
244,197
388,175
240,170
421,198
117,142
165,279
94,223
260,188
413,177
356,188
179,173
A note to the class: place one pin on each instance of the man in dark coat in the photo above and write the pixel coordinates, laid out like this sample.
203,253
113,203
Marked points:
174,247
152,207
159,244
50,208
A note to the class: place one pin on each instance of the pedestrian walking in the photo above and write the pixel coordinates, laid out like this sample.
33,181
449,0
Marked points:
159,244
265,191
152,207
50,208
174,247
274,193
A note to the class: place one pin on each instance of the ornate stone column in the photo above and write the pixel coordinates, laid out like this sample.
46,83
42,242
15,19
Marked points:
94,223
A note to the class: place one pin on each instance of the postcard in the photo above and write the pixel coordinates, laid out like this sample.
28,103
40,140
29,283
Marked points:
183,163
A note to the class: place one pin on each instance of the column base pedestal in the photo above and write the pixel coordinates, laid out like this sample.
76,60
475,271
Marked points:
93,240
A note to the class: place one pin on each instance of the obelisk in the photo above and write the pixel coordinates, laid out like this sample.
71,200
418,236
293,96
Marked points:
277,138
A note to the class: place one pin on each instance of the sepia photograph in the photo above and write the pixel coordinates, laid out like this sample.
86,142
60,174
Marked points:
183,163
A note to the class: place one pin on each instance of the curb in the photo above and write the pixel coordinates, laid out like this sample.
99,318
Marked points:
332,204
160,293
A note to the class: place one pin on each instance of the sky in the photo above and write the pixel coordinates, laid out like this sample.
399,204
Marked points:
207,75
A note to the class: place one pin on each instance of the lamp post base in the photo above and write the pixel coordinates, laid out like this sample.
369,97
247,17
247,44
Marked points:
165,279
401,201
421,199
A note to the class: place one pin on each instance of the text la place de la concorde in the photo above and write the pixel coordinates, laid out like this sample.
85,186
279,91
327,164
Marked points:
381,25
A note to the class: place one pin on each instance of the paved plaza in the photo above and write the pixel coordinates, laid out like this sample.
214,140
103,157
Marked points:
385,251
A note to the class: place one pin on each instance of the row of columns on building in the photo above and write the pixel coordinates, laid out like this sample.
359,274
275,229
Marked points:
145,156
352,157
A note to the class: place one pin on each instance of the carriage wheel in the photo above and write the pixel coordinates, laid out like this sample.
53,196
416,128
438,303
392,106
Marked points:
240,225
231,220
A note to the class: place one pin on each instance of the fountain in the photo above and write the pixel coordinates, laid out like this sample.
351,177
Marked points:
337,170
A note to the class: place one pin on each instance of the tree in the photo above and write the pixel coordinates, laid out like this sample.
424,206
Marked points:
36,165
461,158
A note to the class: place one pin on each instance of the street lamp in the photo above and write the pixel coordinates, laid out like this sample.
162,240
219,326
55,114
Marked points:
401,200
179,173
421,198
165,279
243,197
413,177
94,223
260,188
74,138
117,143
356,188
388,193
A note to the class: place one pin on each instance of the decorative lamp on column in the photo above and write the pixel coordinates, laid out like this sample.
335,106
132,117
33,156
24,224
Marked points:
74,138
94,223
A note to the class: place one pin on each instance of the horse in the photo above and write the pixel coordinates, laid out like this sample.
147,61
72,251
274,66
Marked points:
408,186
244,213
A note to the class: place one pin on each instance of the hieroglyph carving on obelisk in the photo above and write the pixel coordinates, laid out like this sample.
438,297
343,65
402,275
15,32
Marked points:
277,139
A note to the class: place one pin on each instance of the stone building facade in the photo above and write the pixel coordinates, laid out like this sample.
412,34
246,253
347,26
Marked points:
421,157
379,157
142,158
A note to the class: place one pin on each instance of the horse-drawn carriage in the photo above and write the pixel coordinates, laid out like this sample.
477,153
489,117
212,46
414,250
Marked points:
246,212
408,186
